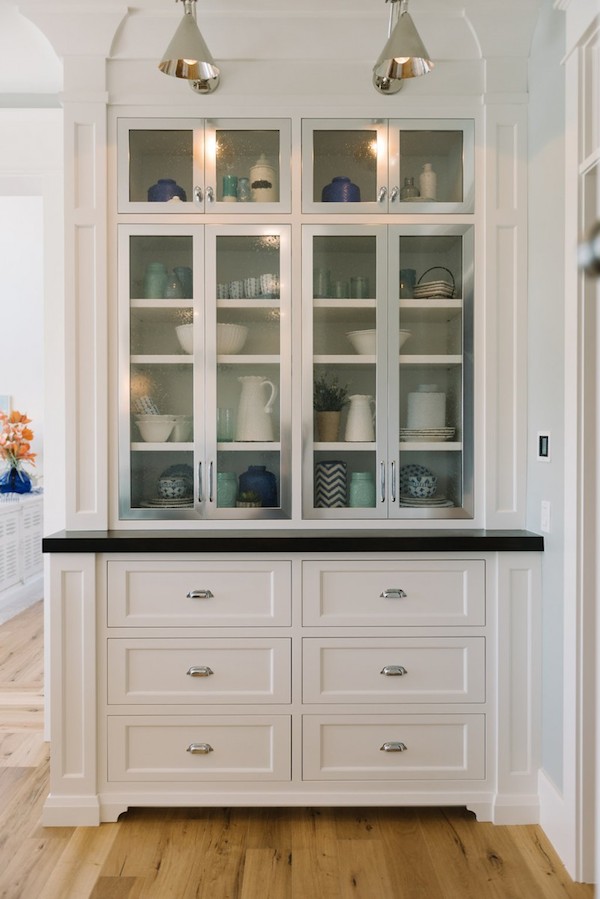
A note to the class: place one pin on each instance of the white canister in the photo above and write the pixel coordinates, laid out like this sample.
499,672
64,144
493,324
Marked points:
426,410
263,181
428,183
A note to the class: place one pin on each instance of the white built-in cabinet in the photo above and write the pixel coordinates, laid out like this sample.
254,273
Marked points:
213,345
21,524
293,679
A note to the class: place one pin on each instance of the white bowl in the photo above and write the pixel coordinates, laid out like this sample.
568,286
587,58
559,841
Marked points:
185,336
364,342
156,431
404,335
182,431
156,417
230,338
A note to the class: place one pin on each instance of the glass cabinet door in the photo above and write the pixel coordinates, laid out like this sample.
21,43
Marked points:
247,165
174,166
204,372
344,396
344,166
431,361
432,164
248,388
160,337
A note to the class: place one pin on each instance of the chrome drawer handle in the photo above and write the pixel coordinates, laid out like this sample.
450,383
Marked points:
382,194
198,194
391,670
200,671
210,194
199,748
395,193
393,746
200,594
393,593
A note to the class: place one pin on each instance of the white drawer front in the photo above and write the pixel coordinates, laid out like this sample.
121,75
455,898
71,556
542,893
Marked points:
159,749
190,671
200,594
437,747
403,669
441,593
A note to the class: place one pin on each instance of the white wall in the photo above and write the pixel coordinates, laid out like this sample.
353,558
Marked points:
546,353
22,311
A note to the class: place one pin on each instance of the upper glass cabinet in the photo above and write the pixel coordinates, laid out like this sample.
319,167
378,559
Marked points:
414,166
218,165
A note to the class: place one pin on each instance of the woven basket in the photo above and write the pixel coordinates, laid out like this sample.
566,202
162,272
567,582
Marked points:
443,289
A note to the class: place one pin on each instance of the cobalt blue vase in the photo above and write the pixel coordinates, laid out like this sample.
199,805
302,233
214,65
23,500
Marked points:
15,480
261,481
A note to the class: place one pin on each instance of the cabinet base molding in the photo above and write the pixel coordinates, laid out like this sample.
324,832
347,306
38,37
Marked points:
72,811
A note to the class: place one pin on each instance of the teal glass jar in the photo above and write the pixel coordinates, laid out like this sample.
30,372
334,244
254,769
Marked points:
227,489
362,490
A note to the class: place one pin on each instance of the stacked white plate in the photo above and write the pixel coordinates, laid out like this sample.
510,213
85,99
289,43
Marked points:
434,435
434,290
439,502
169,503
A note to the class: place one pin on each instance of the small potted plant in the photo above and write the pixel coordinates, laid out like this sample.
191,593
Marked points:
329,398
249,499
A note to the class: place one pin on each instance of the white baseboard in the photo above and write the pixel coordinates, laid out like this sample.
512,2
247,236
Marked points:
555,822
20,597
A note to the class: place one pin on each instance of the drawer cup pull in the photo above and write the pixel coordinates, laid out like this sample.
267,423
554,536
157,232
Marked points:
393,593
199,748
393,746
200,671
200,594
393,670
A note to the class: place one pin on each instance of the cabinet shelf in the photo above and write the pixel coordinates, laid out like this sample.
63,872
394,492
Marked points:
408,360
240,446
161,304
345,446
249,304
418,446
166,359
344,359
164,447
254,358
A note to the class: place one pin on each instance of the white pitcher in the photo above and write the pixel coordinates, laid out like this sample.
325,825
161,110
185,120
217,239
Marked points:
254,419
360,424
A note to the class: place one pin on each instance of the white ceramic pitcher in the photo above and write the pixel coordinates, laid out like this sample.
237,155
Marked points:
254,418
360,424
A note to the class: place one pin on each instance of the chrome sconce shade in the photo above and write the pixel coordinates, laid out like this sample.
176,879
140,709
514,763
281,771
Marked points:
404,55
187,56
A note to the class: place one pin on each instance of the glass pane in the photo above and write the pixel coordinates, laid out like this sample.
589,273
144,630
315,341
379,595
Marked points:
344,166
344,370
247,166
431,166
430,322
160,267
248,405
160,166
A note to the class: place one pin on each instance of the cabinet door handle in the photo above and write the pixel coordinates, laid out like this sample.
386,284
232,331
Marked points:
210,194
382,481
199,748
393,746
200,671
200,594
395,193
382,194
197,194
390,670
199,482
393,482
210,482
392,593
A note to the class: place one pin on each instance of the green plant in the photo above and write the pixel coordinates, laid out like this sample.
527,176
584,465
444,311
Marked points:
328,394
249,496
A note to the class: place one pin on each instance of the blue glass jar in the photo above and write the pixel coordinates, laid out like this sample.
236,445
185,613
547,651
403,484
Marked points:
258,480
164,190
15,480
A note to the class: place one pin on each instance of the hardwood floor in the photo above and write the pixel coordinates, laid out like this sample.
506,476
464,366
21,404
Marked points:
240,853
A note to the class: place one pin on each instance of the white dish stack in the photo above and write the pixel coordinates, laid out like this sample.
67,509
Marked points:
426,408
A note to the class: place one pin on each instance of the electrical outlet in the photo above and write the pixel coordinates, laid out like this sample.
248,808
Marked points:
545,517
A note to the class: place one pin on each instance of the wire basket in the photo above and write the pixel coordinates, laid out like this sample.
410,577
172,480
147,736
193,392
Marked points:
441,289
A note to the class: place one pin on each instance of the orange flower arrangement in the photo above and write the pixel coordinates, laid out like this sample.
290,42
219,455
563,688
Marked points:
15,437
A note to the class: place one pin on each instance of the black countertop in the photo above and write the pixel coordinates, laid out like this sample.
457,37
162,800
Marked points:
292,541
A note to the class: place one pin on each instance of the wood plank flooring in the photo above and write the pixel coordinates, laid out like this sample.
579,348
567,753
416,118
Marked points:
240,853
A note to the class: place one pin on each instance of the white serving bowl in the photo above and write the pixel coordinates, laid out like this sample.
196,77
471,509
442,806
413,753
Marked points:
230,338
182,431
404,335
364,342
156,431
151,417
185,336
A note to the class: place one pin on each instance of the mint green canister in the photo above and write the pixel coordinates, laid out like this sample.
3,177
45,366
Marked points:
362,490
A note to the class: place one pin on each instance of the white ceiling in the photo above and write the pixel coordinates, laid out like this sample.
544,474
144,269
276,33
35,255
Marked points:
263,29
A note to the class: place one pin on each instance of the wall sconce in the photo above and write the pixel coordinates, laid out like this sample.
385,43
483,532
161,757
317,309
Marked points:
404,55
187,56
